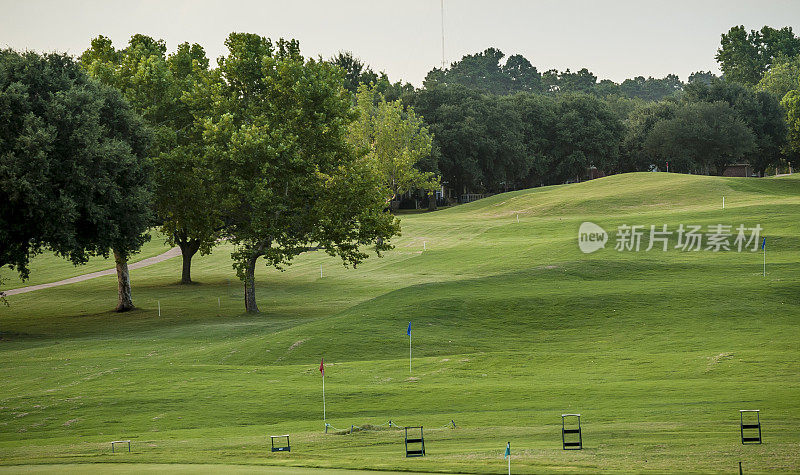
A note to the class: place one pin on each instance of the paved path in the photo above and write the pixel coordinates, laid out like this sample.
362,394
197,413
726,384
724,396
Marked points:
175,251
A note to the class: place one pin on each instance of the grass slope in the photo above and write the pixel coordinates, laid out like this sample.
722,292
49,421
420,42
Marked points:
51,268
512,327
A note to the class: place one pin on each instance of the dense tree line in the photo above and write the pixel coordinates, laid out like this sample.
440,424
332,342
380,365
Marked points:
488,72
492,143
500,124
496,143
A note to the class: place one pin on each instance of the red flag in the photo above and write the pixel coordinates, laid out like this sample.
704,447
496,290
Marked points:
322,366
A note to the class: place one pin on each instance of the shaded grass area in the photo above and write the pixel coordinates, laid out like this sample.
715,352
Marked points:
512,326
48,267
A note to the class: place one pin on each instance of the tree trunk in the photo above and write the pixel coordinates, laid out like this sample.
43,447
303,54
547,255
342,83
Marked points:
124,299
250,286
432,202
188,250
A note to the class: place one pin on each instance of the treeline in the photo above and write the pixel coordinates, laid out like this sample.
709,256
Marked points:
488,72
500,124
496,143
488,143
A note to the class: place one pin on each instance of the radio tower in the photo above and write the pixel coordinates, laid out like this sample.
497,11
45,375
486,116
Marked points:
442,4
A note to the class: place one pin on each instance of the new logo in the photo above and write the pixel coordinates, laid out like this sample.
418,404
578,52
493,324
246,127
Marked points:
591,237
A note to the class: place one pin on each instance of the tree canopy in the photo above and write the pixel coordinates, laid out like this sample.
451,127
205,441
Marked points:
760,111
357,73
791,103
277,148
74,173
483,72
587,134
489,73
395,140
651,89
781,78
701,137
745,56
160,87
496,143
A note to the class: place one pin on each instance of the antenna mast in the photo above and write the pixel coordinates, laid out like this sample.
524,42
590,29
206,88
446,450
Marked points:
442,4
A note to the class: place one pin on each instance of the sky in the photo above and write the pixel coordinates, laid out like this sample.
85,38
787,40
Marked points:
613,39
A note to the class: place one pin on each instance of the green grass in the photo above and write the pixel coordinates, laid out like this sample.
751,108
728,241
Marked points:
107,468
51,268
512,326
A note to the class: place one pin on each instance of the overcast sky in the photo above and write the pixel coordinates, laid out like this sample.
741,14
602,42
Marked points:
614,39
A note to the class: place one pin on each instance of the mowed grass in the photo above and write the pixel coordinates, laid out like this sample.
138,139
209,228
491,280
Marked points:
512,326
51,268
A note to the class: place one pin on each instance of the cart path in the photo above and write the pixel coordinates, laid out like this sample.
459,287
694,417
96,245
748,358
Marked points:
174,252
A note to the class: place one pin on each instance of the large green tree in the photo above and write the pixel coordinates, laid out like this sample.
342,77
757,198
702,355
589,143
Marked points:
791,103
484,72
781,78
634,156
289,179
701,137
394,140
745,56
160,87
587,133
760,111
478,138
74,176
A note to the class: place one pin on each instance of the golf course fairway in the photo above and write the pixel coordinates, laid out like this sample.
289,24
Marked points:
512,325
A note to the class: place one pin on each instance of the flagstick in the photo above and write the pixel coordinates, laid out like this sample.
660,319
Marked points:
509,458
409,353
765,260
324,417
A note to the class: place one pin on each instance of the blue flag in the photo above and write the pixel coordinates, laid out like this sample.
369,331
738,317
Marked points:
763,243
408,332
508,451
